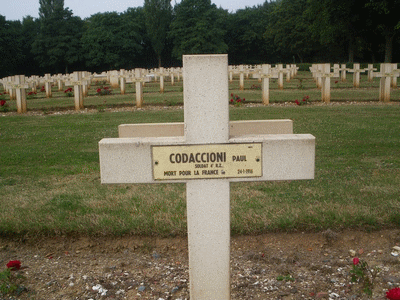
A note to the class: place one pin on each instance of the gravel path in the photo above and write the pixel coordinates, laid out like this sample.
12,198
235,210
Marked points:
270,266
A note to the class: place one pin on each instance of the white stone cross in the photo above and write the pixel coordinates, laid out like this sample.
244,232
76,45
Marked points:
370,70
281,71
139,79
48,80
356,76
322,74
207,158
161,72
77,82
114,78
19,86
343,70
387,72
265,73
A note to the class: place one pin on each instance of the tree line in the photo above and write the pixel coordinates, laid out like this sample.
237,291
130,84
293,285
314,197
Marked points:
158,34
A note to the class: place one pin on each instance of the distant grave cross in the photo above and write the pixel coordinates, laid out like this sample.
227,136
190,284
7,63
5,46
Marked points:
78,84
265,74
19,86
207,159
47,84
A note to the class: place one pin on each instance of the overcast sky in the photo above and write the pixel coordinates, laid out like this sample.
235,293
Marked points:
17,9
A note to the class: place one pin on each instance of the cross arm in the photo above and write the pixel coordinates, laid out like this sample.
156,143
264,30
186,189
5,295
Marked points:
236,128
283,156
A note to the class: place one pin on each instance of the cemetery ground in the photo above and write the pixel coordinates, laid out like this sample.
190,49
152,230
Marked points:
77,238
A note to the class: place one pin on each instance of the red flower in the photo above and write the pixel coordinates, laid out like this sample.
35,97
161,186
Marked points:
297,102
231,94
356,260
106,87
393,294
304,100
231,100
244,99
99,90
336,81
2,102
14,264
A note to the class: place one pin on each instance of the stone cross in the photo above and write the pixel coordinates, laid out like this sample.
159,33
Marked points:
161,72
123,80
172,75
87,80
77,82
60,81
343,70
280,70
370,70
138,79
114,78
10,82
356,74
395,72
326,82
207,158
386,74
47,85
265,74
322,75
241,72
19,86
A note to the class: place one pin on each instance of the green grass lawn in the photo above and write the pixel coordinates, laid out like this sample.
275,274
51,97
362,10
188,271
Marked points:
50,181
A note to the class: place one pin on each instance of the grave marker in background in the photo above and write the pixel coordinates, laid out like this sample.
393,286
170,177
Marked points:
47,85
20,85
77,82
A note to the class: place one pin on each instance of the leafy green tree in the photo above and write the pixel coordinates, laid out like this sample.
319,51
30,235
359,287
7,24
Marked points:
384,19
57,45
29,31
112,40
198,28
289,30
245,35
10,47
158,15
339,24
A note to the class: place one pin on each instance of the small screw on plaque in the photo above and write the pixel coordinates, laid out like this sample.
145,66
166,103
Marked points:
257,159
156,162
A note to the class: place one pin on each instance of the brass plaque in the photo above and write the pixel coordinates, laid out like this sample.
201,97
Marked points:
207,161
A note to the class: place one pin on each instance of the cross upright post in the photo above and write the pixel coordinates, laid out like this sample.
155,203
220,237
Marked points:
207,157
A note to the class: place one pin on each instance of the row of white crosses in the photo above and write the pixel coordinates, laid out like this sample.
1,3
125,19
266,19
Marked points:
207,152
278,70
388,74
17,85
121,77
